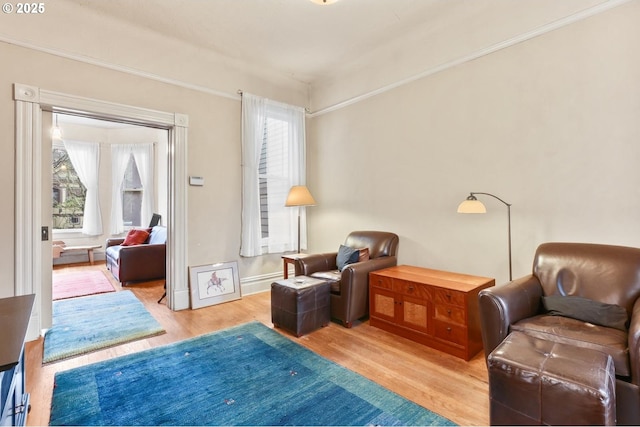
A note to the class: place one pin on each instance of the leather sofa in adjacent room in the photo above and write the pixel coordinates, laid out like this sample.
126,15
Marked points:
139,261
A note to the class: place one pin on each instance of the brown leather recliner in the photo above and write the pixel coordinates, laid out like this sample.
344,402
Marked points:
601,273
350,288
138,263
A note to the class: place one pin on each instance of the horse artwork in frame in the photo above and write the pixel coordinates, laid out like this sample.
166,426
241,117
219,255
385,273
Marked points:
214,284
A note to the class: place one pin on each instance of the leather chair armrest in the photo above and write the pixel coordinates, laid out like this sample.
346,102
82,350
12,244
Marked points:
114,241
502,306
316,262
362,269
354,288
357,275
634,343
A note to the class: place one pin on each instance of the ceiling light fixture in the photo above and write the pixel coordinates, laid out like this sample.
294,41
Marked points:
324,1
56,132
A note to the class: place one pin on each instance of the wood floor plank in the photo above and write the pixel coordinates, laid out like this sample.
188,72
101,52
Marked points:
437,381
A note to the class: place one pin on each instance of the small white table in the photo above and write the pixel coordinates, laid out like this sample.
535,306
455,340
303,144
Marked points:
60,247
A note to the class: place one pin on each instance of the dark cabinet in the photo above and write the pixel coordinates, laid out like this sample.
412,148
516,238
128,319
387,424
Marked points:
14,320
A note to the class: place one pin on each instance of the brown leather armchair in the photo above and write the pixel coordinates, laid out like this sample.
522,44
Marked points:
350,288
139,262
601,273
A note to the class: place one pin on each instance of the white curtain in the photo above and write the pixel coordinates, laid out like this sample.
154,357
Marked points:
120,154
258,115
254,116
143,156
85,158
297,176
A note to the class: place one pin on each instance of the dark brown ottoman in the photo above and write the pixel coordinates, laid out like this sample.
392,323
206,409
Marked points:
300,304
538,382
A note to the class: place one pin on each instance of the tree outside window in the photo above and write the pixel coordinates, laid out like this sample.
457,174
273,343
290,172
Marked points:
68,193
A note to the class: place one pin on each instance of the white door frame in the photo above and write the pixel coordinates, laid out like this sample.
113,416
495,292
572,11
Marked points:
30,102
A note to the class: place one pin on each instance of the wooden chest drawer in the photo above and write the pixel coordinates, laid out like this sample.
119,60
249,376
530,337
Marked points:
448,313
433,307
451,332
448,296
381,281
411,289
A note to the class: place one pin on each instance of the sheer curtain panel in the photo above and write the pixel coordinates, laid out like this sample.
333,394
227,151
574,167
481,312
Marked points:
85,158
273,160
143,155
254,116
119,158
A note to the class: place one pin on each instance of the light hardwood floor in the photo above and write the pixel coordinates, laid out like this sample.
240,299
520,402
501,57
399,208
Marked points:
444,384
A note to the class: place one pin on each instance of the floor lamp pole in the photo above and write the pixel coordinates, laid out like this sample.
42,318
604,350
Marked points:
299,228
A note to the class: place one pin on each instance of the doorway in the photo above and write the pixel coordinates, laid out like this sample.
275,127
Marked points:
80,153
30,247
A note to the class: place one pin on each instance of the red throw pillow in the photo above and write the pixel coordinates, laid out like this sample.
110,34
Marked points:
135,237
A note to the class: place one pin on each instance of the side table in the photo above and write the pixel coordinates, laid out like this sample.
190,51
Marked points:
301,304
290,259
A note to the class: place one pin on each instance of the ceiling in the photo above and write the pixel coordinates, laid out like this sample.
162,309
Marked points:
307,41
299,37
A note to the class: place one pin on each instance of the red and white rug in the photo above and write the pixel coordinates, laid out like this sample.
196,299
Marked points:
80,283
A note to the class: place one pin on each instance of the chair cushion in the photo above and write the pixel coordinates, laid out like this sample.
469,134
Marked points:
580,334
158,235
333,277
113,252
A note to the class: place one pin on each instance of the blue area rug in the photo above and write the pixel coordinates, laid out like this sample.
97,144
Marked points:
246,375
82,325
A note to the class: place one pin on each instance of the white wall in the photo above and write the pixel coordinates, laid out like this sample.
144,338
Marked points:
551,125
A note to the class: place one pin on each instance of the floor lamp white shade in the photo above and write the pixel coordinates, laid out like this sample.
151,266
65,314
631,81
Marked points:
473,205
299,196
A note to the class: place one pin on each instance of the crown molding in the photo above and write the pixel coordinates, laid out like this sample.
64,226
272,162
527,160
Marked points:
115,67
539,31
544,29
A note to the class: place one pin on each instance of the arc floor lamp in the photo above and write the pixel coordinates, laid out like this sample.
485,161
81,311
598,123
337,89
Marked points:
473,205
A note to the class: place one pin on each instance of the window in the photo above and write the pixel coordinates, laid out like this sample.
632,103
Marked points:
273,173
273,161
132,185
132,195
68,193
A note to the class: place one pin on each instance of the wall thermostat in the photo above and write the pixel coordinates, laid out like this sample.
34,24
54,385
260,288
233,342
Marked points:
196,180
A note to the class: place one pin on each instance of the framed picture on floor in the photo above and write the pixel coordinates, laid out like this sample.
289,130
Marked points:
214,284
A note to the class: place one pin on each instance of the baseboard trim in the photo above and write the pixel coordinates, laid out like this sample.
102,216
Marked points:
261,283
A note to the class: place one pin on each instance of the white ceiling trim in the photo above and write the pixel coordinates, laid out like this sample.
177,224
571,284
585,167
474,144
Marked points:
602,7
121,68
